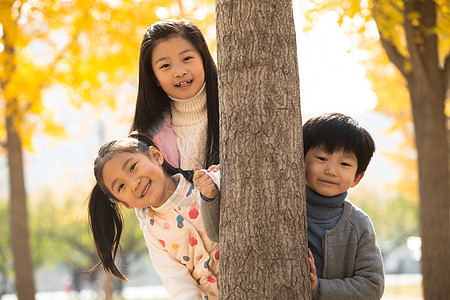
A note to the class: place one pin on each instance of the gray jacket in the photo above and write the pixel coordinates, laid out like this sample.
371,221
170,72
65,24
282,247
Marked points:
353,266
210,211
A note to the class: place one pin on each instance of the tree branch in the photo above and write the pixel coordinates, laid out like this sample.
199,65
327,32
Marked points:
394,5
391,50
394,55
412,33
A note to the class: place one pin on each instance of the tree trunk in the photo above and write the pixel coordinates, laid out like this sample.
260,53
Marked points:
431,144
427,85
263,210
23,265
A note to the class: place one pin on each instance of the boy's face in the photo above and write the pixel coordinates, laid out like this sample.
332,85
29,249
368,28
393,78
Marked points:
331,174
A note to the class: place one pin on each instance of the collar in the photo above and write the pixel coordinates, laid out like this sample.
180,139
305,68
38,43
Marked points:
191,111
323,201
179,198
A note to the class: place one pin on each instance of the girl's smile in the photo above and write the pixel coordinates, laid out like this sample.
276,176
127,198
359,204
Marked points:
137,180
178,67
147,187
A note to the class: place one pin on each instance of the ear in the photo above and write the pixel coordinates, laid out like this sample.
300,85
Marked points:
157,156
357,179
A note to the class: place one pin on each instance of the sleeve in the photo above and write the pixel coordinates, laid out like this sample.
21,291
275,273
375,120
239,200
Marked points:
367,281
210,210
176,278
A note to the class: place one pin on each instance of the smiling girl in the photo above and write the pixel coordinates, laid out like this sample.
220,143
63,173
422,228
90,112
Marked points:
133,173
177,100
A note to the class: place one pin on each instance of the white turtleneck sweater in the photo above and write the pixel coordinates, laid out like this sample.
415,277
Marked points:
189,123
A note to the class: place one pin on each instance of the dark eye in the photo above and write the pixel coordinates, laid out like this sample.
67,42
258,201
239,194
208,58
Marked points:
346,164
120,187
187,58
321,158
164,66
132,167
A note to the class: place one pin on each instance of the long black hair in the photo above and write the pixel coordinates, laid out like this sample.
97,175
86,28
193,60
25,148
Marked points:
105,217
152,102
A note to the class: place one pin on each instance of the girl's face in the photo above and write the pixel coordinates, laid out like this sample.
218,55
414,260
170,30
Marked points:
178,67
137,180
330,174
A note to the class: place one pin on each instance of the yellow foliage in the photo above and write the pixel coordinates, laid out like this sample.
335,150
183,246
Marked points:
387,82
89,47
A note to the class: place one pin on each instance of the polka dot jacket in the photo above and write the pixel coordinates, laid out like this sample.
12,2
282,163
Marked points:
183,256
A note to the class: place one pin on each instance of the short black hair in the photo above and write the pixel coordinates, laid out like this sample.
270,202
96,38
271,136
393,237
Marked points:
335,132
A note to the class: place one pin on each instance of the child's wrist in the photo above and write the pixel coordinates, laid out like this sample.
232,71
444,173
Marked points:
207,199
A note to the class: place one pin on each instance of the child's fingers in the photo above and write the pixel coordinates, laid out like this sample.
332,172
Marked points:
312,266
205,184
198,173
214,168
312,269
313,279
310,255
203,181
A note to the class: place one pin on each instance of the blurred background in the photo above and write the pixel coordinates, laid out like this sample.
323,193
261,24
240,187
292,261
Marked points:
73,80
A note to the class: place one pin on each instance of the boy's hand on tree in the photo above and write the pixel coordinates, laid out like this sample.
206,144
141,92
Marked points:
205,184
312,268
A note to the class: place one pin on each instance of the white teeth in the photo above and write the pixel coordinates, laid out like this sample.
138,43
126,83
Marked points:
146,189
184,83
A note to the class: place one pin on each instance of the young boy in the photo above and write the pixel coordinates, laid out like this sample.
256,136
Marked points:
344,252
340,235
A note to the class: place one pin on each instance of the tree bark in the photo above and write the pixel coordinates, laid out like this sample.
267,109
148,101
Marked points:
263,210
427,84
431,144
23,265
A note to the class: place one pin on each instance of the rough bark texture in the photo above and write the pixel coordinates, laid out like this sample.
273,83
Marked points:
427,84
23,265
263,212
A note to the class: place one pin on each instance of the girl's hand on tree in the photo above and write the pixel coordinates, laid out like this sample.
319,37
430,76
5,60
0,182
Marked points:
214,168
205,184
312,268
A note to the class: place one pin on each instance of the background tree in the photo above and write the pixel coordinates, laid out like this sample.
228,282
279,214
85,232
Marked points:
263,220
415,36
19,226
